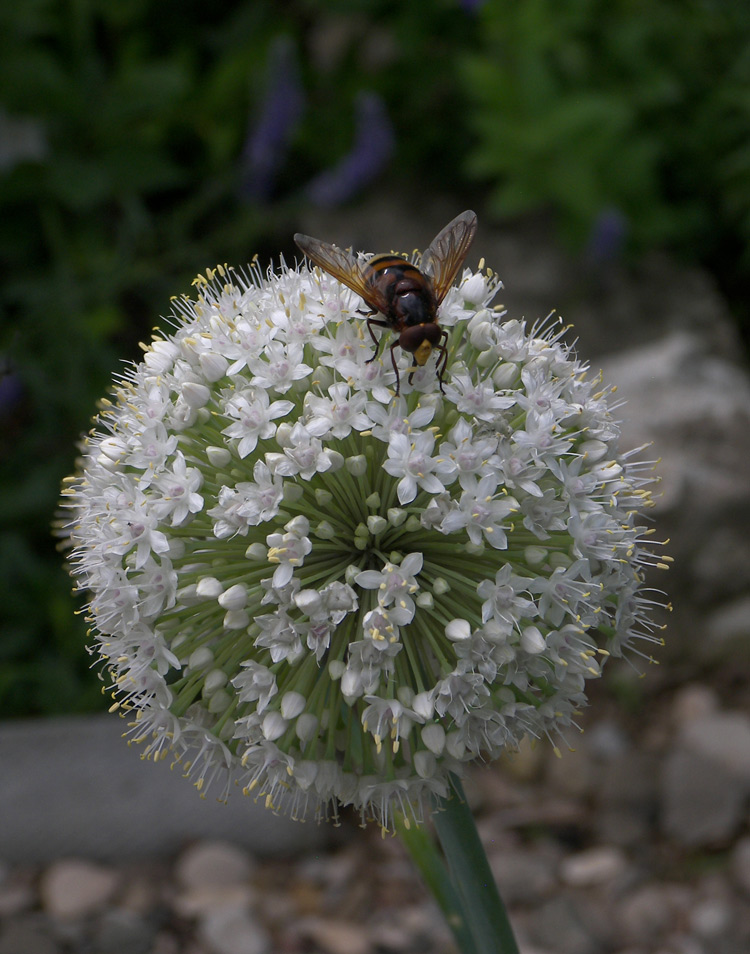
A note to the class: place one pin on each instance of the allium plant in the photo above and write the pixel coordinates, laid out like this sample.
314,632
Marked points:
339,596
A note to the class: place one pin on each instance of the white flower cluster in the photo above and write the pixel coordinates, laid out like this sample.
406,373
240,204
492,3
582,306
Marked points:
335,595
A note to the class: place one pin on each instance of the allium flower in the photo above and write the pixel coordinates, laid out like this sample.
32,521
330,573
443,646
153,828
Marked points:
339,596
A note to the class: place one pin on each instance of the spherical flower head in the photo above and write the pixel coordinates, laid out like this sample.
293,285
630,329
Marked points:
337,595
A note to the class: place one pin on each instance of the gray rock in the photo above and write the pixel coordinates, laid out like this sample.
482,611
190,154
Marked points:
728,632
233,931
606,740
524,877
108,804
702,802
722,737
645,915
695,408
560,926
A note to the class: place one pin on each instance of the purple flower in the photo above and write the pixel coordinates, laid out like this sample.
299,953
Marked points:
11,388
267,142
372,149
607,237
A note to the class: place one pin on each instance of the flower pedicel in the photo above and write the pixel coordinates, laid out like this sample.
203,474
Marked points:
335,595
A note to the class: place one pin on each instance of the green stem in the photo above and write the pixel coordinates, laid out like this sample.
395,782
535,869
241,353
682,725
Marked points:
425,855
471,876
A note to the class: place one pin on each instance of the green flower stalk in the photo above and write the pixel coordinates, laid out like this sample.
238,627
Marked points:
336,595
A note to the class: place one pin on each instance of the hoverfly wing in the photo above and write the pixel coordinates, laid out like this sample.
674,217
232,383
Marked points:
343,265
447,251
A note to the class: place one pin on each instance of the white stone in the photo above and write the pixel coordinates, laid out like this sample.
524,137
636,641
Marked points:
593,867
233,931
693,701
73,888
213,863
710,917
336,937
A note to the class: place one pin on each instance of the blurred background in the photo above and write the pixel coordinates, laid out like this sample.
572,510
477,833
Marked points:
605,145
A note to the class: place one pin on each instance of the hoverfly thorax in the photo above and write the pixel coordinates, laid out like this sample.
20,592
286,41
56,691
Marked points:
408,298
408,291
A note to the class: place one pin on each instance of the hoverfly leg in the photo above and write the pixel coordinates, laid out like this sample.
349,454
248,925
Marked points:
442,361
376,341
395,367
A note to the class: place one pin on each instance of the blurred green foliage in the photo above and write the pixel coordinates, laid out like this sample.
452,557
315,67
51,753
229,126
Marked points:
127,135
642,106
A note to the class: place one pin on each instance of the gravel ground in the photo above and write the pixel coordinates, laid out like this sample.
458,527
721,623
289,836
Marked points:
637,842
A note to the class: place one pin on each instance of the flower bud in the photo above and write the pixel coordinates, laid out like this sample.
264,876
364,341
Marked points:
234,598
195,395
532,640
200,659
505,375
209,588
458,630
292,704
425,764
306,727
214,366
433,736
218,456
356,465
273,726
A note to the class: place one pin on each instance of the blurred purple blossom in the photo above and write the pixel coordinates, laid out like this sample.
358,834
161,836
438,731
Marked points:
11,389
607,237
279,113
372,149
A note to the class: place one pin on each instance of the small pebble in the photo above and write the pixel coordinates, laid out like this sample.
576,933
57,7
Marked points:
710,918
692,702
596,866
213,862
233,931
74,888
336,937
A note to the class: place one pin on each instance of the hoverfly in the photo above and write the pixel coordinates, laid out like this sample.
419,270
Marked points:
407,297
